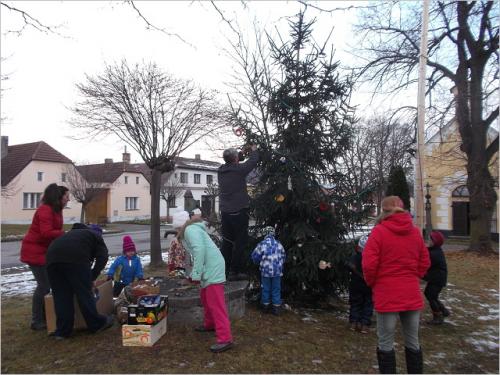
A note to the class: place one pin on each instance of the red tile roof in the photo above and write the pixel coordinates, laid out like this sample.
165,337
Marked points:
109,172
19,156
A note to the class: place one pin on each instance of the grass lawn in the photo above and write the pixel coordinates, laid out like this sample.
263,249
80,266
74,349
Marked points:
300,341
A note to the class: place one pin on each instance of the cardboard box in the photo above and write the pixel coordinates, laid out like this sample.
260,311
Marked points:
143,334
104,306
138,314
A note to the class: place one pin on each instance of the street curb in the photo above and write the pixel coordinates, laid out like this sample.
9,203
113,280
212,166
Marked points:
12,238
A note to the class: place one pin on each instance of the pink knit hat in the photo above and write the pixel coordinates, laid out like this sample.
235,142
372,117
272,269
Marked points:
128,244
437,238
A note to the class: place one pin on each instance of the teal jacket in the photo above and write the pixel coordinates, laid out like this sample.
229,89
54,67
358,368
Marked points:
208,263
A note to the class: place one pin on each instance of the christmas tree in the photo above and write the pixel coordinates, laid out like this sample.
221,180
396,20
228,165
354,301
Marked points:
398,185
297,193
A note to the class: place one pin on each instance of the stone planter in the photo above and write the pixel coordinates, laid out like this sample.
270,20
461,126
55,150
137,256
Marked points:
185,306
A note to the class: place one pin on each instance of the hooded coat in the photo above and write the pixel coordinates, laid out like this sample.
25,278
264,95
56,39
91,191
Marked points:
46,226
394,260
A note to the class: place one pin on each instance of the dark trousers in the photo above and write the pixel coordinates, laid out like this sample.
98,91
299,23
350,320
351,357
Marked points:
68,280
235,237
361,306
432,294
42,288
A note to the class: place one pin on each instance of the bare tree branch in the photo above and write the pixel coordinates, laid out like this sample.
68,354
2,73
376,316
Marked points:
149,25
30,21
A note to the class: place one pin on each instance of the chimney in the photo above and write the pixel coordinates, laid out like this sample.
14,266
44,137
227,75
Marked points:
126,156
197,157
5,145
108,161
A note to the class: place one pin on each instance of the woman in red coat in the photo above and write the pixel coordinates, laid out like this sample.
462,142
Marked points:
394,260
46,226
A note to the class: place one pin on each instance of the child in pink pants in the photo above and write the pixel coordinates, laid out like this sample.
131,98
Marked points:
209,271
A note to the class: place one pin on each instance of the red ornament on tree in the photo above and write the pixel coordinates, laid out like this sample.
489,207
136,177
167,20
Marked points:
323,206
238,132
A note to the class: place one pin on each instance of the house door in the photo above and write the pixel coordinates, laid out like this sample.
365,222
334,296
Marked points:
461,221
97,210
207,206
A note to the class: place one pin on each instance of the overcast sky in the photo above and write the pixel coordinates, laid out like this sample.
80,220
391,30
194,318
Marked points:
42,68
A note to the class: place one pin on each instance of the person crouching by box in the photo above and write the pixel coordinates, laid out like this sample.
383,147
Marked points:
209,270
126,267
69,262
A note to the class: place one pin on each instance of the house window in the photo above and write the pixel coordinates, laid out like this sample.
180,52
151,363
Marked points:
131,203
63,177
126,179
461,192
210,179
184,178
197,178
39,176
137,180
171,201
31,200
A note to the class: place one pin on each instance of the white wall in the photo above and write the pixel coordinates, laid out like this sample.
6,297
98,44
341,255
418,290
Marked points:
197,189
120,190
27,182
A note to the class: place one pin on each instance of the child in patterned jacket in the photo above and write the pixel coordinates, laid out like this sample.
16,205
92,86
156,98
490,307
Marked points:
270,255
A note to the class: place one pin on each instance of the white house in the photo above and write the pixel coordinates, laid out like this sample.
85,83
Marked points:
27,169
124,193
193,176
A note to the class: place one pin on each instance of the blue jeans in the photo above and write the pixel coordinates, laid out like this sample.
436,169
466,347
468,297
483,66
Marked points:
271,290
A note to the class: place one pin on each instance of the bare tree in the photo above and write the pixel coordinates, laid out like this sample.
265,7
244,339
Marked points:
170,190
11,189
158,115
378,144
462,52
83,186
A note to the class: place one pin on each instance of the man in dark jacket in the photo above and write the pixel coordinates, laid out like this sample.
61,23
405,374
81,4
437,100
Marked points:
234,202
436,279
69,266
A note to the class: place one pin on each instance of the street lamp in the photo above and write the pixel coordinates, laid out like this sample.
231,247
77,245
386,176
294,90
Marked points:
428,219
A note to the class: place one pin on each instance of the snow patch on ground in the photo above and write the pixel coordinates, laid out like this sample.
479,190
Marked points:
19,280
438,355
482,345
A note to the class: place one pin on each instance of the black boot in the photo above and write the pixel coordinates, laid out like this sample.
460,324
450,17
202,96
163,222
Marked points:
414,361
443,309
386,361
437,318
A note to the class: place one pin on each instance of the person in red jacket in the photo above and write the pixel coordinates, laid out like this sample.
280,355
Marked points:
394,260
47,225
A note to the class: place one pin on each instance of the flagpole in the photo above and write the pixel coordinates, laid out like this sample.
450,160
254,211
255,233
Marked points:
420,156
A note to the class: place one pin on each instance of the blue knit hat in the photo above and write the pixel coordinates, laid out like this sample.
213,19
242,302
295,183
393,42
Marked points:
96,229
